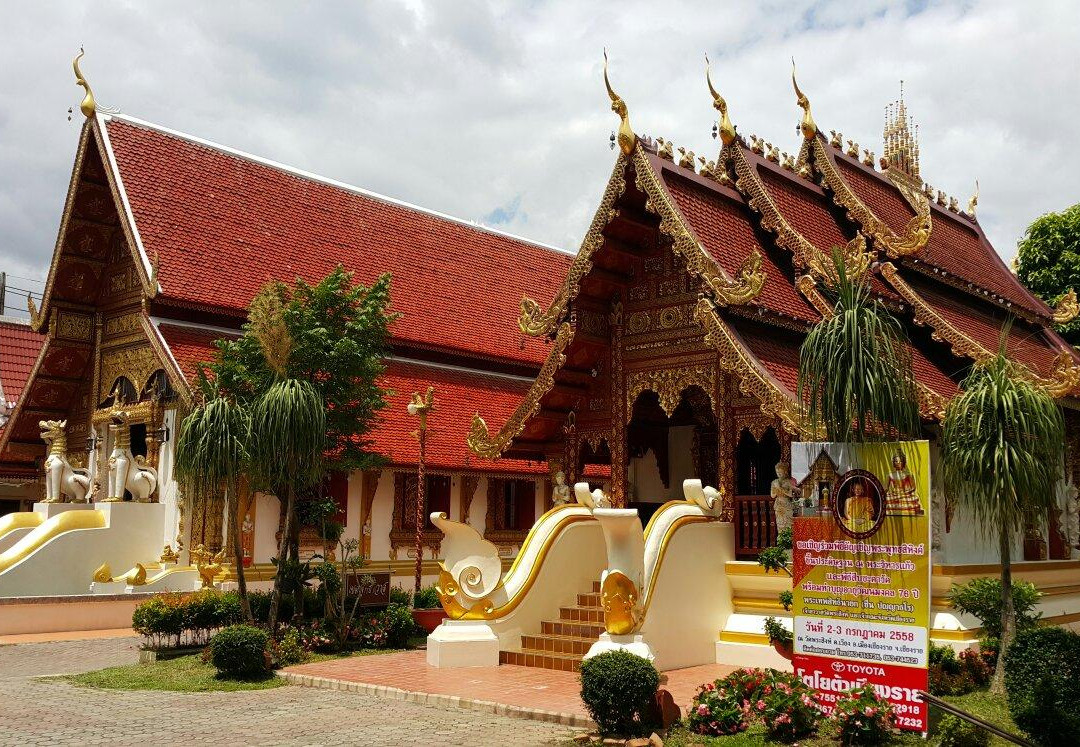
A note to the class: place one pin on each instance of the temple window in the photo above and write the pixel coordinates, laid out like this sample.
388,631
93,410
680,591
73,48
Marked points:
755,462
511,509
436,498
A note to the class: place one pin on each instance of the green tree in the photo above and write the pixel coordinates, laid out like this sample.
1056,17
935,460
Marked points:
855,372
1001,454
211,456
1048,260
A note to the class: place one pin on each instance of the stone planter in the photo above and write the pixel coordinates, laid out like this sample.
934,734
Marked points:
429,619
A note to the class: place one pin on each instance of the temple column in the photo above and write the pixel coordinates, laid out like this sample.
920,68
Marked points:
725,445
617,445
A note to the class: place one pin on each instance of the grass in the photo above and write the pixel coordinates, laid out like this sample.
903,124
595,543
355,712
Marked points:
182,674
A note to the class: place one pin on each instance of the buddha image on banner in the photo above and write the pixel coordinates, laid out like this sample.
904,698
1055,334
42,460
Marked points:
861,571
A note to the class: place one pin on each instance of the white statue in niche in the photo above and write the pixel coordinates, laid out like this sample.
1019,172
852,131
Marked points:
781,490
61,479
128,472
560,493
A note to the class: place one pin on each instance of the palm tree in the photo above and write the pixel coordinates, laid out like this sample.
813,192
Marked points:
855,375
1001,454
210,458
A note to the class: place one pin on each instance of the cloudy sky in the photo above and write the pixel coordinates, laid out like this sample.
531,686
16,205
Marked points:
496,112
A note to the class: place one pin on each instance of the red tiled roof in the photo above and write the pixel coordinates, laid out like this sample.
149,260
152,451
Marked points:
222,225
19,348
190,346
778,352
724,229
878,194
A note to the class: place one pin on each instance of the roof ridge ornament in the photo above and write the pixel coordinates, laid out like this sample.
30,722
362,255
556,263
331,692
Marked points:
726,129
626,139
973,202
807,126
88,106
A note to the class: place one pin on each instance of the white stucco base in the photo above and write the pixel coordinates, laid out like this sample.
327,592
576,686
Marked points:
635,644
463,643
750,655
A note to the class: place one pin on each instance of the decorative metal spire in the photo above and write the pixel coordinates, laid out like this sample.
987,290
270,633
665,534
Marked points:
88,106
627,139
727,130
808,126
901,150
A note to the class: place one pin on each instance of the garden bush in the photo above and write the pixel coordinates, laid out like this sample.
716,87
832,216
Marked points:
787,707
1042,681
618,689
160,620
781,701
956,732
427,599
166,620
981,597
399,596
862,717
287,650
240,652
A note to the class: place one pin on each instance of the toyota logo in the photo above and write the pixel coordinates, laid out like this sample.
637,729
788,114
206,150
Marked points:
838,666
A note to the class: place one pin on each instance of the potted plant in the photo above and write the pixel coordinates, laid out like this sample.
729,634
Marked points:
427,609
780,637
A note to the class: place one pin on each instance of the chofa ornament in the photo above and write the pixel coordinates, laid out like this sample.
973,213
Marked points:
61,479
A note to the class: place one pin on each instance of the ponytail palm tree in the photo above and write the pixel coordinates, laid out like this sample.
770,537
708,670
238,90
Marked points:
210,458
1001,454
855,377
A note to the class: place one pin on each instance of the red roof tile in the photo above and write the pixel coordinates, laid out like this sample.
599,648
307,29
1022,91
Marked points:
222,225
19,348
877,194
190,346
724,229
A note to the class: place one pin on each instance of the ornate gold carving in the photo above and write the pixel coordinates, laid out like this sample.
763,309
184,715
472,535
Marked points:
627,139
617,440
136,363
103,574
973,203
534,320
669,384
125,324
1066,308
87,106
808,287
622,604
727,291
1064,376
71,326
480,441
753,378
36,317
807,126
168,555
725,129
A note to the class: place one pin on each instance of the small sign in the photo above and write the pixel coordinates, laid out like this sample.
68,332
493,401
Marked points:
372,588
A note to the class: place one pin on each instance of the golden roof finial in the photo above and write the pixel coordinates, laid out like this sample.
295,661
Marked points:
727,130
88,106
808,127
627,138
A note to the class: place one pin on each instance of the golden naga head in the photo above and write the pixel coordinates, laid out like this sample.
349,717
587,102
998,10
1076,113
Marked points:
50,429
88,106
808,126
627,139
727,130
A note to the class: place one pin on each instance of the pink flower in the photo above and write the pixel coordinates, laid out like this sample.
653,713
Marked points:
710,686
703,710
783,718
761,705
768,689
869,710
805,700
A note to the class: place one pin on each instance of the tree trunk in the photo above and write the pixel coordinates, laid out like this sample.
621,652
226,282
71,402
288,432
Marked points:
283,547
1008,613
238,551
294,554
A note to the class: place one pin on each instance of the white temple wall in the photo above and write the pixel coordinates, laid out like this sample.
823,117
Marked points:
168,490
267,511
382,516
352,506
478,508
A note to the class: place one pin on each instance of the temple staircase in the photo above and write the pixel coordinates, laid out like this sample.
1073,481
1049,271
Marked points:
561,644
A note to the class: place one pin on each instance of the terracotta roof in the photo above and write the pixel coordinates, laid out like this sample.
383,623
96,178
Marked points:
19,348
189,347
723,227
777,351
223,223
876,193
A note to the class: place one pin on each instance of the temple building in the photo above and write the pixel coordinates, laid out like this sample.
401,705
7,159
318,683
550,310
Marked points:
666,349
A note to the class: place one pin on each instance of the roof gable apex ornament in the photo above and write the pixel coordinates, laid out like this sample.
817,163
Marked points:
88,106
1067,308
626,138
973,203
807,126
726,130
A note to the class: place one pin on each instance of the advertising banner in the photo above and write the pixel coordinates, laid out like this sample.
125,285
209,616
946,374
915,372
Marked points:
861,570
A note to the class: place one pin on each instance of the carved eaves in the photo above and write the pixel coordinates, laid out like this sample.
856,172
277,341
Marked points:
725,290
754,380
534,319
484,445
917,230
1066,308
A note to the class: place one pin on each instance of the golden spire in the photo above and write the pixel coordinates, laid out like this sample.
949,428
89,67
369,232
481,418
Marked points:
808,127
727,130
627,138
88,107
901,149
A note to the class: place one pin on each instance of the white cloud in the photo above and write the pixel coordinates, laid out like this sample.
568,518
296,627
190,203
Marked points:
464,107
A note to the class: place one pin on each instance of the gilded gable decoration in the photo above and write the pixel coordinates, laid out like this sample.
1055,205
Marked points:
1066,308
808,127
626,138
480,441
669,384
725,129
88,107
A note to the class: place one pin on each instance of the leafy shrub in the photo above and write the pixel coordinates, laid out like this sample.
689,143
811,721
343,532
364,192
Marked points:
399,625
981,597
956,732
288,650
399,596
862,717
1042,681
777,632
618,689
427,599
790,707
160,619
988,649
948,674
786,706
716,712
240,652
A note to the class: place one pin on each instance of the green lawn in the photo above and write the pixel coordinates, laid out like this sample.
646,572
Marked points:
183,674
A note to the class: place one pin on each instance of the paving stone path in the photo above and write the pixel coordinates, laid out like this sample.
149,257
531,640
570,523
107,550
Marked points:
49,712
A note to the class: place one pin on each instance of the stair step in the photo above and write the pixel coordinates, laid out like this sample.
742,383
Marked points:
595,587
573,629
542,659
581,614
592,599
557,644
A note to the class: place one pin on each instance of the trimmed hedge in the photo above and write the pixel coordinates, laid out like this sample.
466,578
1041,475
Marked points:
240,652
166,620
1042,680
618,689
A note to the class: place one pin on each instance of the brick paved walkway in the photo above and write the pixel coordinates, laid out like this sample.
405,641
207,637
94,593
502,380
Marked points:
42,712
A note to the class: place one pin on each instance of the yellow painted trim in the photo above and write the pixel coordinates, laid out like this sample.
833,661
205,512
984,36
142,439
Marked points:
54,527
733,636
748,568
19,520
983,569
666,507
532,532
751,603
965,636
